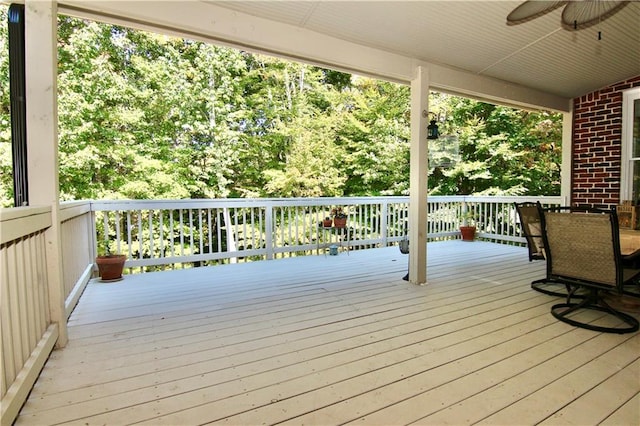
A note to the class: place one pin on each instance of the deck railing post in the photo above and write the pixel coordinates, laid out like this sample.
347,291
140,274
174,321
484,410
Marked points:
463,211
384,212
268,229
93,233
228,226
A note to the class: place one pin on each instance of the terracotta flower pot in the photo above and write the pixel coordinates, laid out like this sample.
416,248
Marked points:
339,222
110,267
326,223
468,233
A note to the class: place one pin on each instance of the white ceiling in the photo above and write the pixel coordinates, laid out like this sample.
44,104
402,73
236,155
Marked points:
473,36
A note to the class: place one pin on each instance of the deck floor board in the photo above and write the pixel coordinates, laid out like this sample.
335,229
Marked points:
334,340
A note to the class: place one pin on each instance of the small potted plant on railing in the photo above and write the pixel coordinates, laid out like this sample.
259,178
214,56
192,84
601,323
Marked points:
339,217
468,225
326,223
110,265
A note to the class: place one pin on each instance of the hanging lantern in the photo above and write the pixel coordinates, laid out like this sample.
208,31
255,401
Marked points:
432,130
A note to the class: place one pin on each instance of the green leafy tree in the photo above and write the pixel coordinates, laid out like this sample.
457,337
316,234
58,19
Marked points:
309,167
374,132
502,150
6,165
146,116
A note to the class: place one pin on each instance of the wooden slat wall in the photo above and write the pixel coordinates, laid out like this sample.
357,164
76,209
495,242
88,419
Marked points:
77,246
28,335
25,297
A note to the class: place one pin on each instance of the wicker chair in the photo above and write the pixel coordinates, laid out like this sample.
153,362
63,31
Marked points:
531,224
531,228
583,252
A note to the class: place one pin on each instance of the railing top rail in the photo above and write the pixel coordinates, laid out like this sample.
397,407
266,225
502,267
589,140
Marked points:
511,199
74,203
21,221
69,210
238,202
20,212
494,199
247,202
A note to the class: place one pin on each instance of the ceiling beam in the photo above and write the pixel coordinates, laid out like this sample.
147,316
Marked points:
211,23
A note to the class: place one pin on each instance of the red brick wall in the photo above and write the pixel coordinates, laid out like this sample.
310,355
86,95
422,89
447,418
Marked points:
597,134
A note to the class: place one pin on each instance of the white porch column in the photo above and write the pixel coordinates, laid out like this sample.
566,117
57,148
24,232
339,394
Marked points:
567,157
41,57
418,177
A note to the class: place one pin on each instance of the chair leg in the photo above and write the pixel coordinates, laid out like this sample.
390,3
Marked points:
542,285
593,301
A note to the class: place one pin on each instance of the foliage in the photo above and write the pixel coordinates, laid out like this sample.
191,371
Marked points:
147,116
503,151
468,218
338,212
6,166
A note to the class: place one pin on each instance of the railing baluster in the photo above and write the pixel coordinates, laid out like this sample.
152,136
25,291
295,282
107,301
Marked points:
117,225
281,241
254,218
296,224
161,231
139,214
40,265
181,230
209,232
171,234
289,225
26,308
31,275
268,230
11,313
150,220
129,226
105,227
236,232
245,238
219,229
191,243
384,213
200,231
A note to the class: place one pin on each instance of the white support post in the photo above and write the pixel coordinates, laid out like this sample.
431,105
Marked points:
230,228
268,230
41,58
418,177
384,222
567,157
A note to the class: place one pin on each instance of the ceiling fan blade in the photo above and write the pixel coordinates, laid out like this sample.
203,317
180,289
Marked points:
531,9
583,14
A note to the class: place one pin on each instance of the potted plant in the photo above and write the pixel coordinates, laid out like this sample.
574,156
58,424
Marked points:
468,225
327,222
339,217
110,265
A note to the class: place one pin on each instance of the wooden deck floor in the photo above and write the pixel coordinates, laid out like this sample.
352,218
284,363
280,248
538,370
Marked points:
334,340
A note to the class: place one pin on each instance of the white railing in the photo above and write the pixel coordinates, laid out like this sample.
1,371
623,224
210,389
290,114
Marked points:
29,331
77,237
28,334
156,234
495,217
